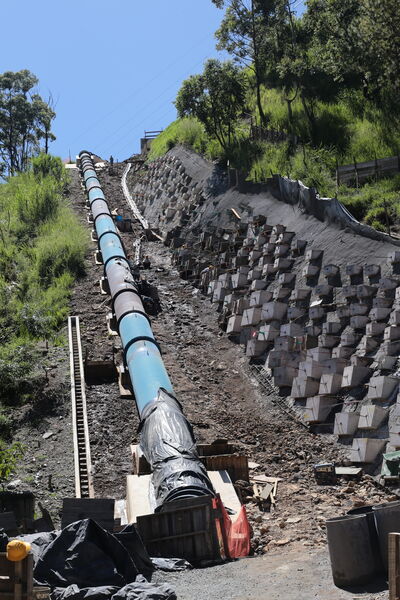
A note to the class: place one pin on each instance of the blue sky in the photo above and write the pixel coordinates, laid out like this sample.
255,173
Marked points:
113,68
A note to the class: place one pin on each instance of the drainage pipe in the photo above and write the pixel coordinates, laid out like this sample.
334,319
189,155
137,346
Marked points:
166,436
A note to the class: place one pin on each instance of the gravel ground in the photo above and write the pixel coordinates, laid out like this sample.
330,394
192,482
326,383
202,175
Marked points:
293,575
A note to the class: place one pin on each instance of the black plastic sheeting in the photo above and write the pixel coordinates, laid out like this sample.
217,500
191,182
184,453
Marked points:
85,562
169,446
86,555
141,589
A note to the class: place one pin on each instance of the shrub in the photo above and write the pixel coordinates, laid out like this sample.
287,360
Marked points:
9,457
60,248
46,164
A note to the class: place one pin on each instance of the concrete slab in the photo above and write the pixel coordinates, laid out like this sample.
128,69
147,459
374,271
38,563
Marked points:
272,311
304,387
310,368
330,383
346,423
283,376
260,297
342,352
256,347
382,387
365,450
371,416
251,316
318,408
234,324
375,329
268,333
328,341
354,376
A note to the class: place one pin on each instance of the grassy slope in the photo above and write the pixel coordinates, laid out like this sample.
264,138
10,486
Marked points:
42,248
345,134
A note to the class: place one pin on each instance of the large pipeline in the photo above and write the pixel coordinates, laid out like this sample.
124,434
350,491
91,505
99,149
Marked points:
166,437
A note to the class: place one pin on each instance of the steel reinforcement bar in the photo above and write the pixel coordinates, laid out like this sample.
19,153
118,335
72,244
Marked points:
166,437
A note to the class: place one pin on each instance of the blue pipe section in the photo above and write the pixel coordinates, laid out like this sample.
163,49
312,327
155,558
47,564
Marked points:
111,247
167,438
145,365
96,194
103,225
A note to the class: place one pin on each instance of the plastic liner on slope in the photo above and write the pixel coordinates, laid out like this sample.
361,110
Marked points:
169,446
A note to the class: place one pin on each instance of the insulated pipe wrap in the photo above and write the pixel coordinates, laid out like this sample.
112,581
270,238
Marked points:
149,374
168,444
104,224
127,301
111,247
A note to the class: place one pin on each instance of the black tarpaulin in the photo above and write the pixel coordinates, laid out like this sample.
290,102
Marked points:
139,590
86,555
169,446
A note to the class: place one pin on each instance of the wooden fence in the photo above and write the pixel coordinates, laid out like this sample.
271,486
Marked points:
267,135
362,171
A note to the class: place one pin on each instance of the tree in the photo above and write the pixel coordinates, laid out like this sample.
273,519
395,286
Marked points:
216,97
25,120
242,34
379,27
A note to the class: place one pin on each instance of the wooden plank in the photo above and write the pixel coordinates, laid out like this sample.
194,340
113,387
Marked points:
8,522
236,465
394,565
137,497
185,529
29,576
223,486
16,580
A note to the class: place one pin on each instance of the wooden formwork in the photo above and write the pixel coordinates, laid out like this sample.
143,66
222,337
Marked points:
189,529
16,579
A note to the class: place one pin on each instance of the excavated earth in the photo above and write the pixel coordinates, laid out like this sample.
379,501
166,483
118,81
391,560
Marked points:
221,399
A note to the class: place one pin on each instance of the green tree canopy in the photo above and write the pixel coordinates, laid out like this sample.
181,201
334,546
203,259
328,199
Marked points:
242,34
25,120
216,97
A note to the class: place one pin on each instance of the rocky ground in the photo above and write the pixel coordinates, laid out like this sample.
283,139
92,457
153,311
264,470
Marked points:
222,400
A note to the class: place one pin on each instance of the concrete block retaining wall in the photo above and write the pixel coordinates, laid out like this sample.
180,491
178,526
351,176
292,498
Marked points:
320,311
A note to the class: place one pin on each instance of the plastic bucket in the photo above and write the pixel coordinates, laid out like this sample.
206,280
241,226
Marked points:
373,534
352,558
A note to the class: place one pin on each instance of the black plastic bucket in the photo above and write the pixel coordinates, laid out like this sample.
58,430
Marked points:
387,520
353,561
368,511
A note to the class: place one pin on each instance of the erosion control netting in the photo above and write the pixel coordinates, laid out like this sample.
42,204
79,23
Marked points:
168,444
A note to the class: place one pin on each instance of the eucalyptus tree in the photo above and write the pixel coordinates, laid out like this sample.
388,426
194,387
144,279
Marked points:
25,120
242,34
215,97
